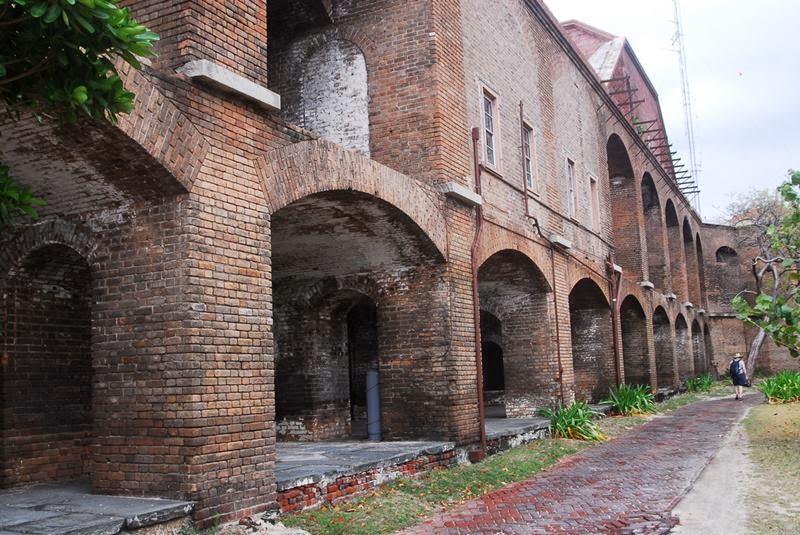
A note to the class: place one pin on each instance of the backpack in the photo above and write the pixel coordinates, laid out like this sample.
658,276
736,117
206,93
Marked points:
734,369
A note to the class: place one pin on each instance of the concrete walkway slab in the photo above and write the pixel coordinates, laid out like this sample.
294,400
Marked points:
302,463
627,485
72,508
502,427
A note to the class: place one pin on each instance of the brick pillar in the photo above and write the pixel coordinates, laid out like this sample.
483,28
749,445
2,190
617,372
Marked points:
230,33
415,364
561,290
182,352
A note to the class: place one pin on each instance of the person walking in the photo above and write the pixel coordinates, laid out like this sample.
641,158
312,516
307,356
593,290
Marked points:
738,372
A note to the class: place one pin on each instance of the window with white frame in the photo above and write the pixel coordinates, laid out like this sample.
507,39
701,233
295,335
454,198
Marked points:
570,188
489,120
527,153
595,203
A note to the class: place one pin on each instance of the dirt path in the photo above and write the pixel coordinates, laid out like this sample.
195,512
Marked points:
715,505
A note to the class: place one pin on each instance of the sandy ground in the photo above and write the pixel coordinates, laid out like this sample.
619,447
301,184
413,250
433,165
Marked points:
716,503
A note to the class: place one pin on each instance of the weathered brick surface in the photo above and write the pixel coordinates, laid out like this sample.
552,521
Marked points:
240,274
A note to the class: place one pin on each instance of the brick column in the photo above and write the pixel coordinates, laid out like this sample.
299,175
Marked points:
182,353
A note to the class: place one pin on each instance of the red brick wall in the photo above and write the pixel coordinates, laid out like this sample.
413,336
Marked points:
47,374
658,266
232,34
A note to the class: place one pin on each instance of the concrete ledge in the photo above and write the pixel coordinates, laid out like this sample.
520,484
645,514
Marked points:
560,241
72,508
456,191
309,463
217,75
336,472
647,285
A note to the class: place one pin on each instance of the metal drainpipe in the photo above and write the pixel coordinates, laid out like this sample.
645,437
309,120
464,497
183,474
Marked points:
551,248
614,280
475,456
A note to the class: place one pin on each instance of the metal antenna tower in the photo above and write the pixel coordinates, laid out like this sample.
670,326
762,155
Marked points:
677,41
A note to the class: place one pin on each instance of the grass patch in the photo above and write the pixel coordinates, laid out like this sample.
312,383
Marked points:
575,421
782,388
628,400
774,505
407,502
702,383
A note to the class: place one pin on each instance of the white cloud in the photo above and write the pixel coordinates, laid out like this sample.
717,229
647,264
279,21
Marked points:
743,78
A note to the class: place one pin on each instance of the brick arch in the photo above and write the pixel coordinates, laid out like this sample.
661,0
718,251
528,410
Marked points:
496,242
690,257
304,46
44,233
296,56
593,357
297,171
582,273
321,289
162,130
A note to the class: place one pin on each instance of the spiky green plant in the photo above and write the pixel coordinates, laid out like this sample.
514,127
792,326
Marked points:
782,388
631,399
702,383
576,420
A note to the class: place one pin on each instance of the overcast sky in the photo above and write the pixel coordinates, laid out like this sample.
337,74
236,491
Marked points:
744,65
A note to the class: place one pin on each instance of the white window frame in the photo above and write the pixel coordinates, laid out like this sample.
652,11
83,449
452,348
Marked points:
528,156
487,95
571,199
594,202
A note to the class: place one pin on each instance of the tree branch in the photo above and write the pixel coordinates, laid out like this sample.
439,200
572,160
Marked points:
30,72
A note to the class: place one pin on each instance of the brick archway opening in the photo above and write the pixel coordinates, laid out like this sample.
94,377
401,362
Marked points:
624,209
592,341
494,384
692,266
676,255
47,368
634,342
356,286
654,233
683,349
515,302
665,356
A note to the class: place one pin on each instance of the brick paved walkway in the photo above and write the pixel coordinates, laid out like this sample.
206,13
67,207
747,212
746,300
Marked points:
626,485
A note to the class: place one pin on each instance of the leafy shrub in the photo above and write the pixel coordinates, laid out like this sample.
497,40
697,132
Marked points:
628,399
703,383
783,388
574,421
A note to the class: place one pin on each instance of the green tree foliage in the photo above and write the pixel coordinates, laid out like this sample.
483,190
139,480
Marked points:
777,273
57,62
